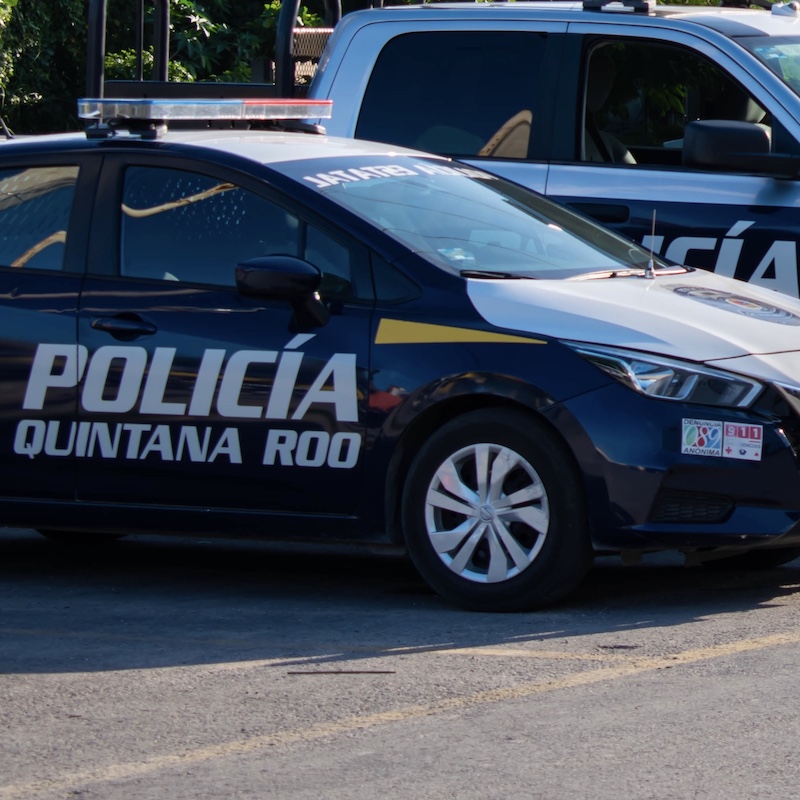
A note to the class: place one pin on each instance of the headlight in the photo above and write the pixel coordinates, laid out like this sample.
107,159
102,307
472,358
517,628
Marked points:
670,379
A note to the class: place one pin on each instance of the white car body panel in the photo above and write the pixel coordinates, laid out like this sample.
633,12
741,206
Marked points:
651,316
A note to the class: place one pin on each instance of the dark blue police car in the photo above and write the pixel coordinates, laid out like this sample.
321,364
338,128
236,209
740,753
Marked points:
285,335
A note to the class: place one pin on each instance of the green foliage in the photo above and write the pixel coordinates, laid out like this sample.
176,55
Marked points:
122,66
195,39
43,55
226,50
213,40
43,50
6,62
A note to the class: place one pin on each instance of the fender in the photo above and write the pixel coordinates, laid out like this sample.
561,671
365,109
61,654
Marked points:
407,426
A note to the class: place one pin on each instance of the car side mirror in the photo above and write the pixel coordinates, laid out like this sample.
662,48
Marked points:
730,145
285,278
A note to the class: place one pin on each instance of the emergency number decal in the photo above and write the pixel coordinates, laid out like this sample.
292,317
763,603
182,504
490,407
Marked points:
220,379
704,437
743,441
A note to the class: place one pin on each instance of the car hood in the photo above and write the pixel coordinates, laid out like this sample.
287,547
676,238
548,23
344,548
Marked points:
695,315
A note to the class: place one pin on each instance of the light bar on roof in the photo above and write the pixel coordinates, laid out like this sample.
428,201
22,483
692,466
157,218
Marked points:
235,109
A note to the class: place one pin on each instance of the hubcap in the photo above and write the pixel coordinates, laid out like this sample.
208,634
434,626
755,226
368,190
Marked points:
486,513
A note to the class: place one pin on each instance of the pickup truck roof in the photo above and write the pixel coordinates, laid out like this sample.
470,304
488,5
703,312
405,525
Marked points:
731,22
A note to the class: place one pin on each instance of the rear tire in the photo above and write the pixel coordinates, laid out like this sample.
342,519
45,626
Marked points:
493,513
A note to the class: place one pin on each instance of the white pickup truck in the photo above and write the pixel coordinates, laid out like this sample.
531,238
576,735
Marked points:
677,126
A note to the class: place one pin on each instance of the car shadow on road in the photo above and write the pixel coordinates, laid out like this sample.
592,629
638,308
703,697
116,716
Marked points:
149,602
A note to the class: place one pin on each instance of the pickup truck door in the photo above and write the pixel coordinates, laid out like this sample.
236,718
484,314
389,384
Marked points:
732,222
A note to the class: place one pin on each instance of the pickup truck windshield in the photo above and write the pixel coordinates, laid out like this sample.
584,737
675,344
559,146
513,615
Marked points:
780,53
465,220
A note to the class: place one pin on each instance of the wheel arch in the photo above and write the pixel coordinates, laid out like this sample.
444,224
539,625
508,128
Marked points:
432,418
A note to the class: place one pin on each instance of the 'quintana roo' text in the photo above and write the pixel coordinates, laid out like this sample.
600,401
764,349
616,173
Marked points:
141,379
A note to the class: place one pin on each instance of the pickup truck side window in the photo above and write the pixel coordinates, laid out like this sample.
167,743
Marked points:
639,97
35,206
460,93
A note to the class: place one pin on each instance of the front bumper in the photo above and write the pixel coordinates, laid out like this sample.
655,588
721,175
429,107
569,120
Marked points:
645,492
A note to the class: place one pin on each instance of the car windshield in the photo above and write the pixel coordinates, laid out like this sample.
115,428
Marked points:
468,221
780,53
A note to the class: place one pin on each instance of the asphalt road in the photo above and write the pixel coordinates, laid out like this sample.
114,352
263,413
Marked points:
156,668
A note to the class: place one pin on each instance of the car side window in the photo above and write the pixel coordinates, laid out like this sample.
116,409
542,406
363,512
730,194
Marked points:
482,101
391,285
639,97
184,226
35,206
179,225
335,261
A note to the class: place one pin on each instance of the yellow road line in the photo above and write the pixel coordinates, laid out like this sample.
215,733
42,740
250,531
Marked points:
241,747
544,655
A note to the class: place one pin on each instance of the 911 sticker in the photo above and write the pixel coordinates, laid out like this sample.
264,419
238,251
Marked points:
217,389
704,437
743,441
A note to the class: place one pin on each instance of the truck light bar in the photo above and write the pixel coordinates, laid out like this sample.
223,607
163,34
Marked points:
159,110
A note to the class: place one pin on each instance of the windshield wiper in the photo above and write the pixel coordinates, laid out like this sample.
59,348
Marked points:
487,273
607,273
638,272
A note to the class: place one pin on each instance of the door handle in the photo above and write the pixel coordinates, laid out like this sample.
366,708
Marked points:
124,327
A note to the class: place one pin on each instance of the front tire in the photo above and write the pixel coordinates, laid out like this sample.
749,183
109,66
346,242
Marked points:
493,513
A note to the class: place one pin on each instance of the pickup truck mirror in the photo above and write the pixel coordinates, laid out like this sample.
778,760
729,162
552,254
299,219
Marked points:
285,278
731,145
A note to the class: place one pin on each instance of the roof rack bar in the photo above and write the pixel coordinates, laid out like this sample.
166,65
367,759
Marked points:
96,47
140,40
161,40
284,41
96,43
284,45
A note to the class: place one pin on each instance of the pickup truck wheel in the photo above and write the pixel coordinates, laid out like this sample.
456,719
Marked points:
493,513
759,558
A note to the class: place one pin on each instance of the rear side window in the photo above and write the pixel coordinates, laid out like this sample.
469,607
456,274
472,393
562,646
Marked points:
460,93
35,206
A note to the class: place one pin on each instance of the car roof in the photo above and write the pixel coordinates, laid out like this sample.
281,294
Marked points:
263,147
273,147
